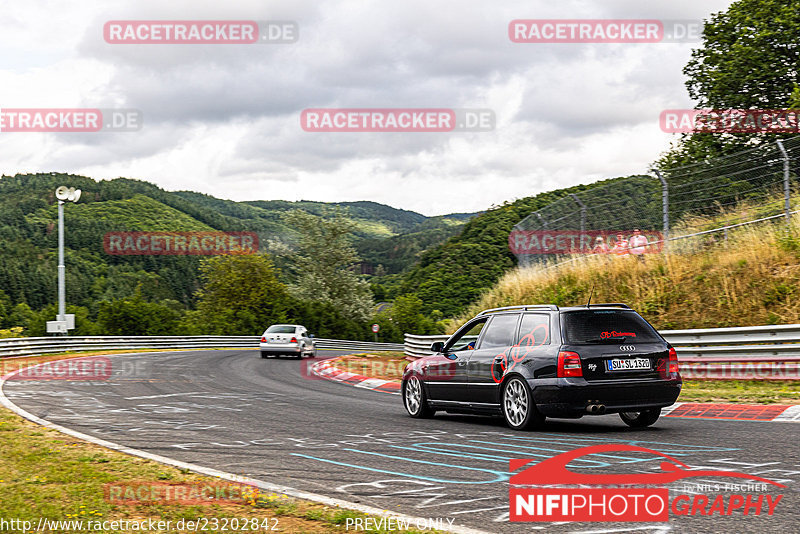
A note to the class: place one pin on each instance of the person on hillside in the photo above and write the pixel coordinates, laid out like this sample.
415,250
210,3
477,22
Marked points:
620,248
638,244
600,246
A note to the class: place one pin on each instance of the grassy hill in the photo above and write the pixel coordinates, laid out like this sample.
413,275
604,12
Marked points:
752,278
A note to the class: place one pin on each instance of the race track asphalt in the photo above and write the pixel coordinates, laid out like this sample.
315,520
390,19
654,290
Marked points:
267,419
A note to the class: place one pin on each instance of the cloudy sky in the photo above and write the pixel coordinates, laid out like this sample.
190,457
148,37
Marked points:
225,119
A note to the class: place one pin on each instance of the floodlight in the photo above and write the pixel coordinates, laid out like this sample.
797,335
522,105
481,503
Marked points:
62,193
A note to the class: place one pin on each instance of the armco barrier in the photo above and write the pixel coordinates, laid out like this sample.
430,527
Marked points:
750,352
419,346
41,345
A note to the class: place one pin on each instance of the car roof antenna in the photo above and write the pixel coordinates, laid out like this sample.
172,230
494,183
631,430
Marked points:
590,296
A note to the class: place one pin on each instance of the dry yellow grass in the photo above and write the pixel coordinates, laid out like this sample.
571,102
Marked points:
750,278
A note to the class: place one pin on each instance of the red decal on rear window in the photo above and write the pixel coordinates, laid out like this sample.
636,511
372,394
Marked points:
608,335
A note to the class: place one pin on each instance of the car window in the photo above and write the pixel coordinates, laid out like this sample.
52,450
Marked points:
500,331
607,326
534,329
468,338
280,329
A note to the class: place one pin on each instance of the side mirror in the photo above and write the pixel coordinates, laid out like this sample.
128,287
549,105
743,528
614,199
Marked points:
437,346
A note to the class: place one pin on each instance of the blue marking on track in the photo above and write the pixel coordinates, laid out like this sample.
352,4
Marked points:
499,476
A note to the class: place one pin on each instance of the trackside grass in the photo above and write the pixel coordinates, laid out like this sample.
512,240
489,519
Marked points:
741,391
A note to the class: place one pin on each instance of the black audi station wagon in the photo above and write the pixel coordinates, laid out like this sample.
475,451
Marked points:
530,362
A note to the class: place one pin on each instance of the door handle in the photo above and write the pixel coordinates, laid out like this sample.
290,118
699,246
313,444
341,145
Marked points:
462,362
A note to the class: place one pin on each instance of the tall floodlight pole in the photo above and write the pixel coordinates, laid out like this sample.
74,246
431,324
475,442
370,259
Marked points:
62,296
63,323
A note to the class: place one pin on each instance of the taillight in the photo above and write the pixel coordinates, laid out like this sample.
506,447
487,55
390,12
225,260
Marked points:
673,361
294,340
263,339
569,364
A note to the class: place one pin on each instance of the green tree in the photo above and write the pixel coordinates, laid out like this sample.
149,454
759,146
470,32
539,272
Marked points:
5,309
135,316
84,326
324,259
749,59
240,295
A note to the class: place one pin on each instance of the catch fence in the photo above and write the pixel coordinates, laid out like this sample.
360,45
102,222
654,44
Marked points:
700,201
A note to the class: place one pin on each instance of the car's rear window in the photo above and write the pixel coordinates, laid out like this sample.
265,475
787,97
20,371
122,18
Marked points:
607,326
281,329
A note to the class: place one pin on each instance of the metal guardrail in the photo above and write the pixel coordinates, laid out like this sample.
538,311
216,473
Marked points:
41,345
750,352
419,346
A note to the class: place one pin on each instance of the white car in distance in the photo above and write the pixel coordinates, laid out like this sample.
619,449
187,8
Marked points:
287,339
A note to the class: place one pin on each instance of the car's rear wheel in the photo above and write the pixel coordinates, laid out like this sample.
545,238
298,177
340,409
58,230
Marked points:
519,410
640,419
414,399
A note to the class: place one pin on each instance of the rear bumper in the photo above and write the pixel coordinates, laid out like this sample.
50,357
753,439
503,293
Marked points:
289,348
569,397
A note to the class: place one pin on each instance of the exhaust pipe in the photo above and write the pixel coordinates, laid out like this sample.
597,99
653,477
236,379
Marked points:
596,409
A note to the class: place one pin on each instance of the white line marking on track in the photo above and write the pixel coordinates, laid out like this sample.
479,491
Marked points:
164,395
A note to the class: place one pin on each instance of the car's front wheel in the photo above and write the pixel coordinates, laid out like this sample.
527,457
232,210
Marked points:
414,399
640,419
519,410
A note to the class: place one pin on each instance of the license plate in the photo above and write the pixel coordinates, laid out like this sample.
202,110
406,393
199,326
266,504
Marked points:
627,364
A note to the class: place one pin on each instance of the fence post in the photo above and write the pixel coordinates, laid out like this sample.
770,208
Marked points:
583,210
786,185
664,207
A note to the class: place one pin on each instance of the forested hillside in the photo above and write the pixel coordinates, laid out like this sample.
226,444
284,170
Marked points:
28,240
451,276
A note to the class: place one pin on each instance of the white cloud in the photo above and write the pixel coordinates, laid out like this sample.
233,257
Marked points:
224,119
